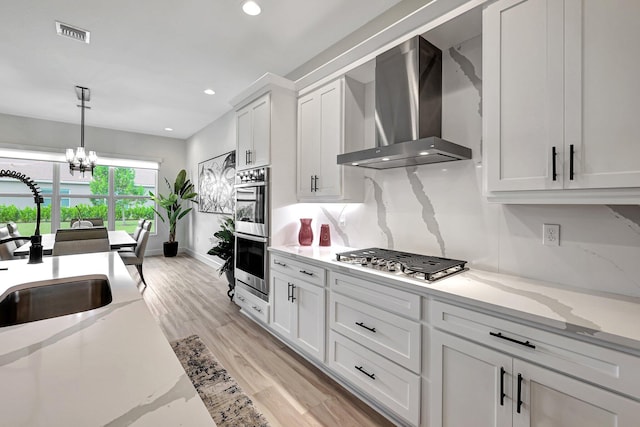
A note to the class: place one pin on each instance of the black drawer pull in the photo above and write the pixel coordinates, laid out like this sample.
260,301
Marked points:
554,172
293,287
288,291
499,335
519,392
571,154
256,308
502,394
306,272
281,264
366,327
372,376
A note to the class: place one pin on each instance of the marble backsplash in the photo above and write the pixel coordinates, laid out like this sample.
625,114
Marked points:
440,209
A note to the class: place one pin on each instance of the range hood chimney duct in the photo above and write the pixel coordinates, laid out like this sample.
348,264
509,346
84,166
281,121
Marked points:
408,113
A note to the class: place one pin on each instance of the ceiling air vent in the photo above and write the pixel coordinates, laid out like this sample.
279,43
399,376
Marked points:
75,33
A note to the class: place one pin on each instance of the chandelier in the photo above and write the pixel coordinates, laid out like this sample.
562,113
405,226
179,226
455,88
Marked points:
78,159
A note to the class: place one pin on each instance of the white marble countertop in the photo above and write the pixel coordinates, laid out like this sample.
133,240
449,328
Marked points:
110,366
606,317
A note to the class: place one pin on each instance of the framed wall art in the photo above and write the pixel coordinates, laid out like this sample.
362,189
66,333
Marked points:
215,184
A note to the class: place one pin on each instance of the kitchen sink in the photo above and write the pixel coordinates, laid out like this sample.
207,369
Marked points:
53,298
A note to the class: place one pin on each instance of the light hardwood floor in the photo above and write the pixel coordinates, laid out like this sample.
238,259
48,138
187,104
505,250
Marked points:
187,297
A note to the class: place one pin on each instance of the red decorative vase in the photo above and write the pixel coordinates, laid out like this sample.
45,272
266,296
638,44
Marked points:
305,236
325,235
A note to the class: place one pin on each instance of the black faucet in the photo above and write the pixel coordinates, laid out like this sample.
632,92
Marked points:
35,252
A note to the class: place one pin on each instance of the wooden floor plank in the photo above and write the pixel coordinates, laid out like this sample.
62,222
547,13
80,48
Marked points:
187,297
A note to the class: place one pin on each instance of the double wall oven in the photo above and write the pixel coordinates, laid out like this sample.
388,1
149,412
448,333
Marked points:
252,231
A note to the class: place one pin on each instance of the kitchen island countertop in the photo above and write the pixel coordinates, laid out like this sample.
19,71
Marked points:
110,366
605,317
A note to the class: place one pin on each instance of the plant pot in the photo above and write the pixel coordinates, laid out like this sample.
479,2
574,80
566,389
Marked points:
170,249
231,279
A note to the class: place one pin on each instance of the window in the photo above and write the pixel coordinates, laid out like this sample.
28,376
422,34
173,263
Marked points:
131,188
16,199
119,196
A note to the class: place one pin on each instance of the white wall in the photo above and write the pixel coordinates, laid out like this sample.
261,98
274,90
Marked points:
440,210
217,138
55,137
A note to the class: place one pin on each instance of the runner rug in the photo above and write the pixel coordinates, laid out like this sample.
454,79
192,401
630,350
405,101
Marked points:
228,405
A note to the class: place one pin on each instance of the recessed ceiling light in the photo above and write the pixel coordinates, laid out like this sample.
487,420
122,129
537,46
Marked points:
423,153
250,7
210,91
385,159
169,129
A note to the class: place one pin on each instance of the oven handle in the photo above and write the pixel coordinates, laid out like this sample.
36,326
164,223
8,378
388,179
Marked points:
251,184
250,237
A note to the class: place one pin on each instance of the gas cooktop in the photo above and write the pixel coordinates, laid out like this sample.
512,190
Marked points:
423,267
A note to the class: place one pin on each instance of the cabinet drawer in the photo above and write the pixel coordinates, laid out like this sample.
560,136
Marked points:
388,334
300,270
388,298
602,366
251,304
394,387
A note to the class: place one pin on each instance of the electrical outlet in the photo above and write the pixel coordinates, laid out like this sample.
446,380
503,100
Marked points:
551,234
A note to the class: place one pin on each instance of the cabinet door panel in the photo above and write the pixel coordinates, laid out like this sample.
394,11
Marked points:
601,63
244,136
308,142
522,62
261,111
309,318
282,308
466,384
331,139
552,399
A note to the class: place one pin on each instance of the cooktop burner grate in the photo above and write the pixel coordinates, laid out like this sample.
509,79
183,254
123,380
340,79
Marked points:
418,266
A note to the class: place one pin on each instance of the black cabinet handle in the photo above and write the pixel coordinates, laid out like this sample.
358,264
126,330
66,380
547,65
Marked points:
293,288
571,153
288,291
499,335
311,185
306,272
554,171
502,395
276,262
372,376
246,156
256,308
519,392
366,327
315,183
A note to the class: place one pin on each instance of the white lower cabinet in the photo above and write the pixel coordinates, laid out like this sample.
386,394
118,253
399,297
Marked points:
252,304
298,313
392,386
476,386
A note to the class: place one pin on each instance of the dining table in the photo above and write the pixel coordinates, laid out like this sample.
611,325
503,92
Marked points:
118,239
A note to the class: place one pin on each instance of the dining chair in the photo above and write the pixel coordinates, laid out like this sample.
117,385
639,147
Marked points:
136,257
97,222
81,224
138,229
7,248
81,241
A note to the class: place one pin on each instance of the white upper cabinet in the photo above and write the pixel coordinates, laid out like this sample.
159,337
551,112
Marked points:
330,120
253,130
559,101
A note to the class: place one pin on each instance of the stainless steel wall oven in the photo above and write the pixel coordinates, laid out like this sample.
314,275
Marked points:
252,231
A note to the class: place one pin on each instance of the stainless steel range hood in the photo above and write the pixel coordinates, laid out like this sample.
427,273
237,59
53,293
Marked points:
408,113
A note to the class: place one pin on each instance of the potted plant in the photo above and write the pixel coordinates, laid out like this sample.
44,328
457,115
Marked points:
224,249
180,192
